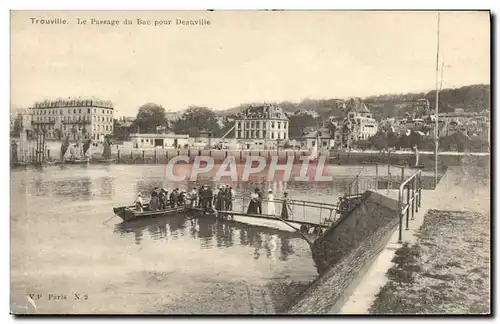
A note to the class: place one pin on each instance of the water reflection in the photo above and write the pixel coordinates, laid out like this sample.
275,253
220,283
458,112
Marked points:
106,187
213,233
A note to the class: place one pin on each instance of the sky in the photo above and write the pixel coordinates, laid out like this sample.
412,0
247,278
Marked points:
242,57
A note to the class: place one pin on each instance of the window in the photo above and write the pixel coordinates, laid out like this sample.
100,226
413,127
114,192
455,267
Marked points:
94,110
142,140
272,125
272,135
279,125
88,111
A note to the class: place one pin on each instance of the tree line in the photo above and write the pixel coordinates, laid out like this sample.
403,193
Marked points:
152,118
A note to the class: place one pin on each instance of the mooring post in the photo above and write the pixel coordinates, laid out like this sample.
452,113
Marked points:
155,157
143,160
131,156
118,156
48,154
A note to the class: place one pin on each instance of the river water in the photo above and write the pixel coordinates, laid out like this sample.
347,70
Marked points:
61,245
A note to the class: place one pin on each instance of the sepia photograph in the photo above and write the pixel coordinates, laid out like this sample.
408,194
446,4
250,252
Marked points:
262,162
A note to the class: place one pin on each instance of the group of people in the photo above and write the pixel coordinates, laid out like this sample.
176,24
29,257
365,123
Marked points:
206,198
160,199
255,205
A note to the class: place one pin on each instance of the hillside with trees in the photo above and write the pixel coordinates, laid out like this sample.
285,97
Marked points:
473,98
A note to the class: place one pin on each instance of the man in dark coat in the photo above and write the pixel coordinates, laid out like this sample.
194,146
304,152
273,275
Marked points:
174,196
259,201
207,197
229,198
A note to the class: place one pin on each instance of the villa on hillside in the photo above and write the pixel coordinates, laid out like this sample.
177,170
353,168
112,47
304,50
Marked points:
358,124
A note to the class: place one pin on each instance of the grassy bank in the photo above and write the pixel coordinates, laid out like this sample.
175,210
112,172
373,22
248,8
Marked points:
446,272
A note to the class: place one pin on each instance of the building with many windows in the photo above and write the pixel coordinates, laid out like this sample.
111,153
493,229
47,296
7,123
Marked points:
358,124
74,117
261,125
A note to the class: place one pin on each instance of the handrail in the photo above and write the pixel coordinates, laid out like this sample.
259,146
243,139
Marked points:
413,200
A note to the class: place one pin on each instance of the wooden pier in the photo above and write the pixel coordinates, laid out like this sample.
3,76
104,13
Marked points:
306,217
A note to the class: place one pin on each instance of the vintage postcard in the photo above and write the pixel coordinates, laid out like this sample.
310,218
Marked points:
250,162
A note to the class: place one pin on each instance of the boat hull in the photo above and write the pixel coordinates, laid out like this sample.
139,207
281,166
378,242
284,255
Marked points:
128,213
106,161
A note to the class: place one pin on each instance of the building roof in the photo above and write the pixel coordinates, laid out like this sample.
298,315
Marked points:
264,111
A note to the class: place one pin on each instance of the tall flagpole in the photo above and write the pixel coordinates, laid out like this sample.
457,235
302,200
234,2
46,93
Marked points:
436,128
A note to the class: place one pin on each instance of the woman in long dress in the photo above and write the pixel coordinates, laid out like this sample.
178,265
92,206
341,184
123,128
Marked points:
254,200
271,208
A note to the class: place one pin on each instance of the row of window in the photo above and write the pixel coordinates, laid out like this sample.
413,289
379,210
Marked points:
256,124
256,134
75,111
74,118
104,127
73,103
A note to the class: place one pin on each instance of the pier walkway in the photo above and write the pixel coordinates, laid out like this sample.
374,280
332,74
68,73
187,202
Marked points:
307,217
460,189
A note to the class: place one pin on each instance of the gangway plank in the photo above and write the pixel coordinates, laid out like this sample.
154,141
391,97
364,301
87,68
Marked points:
263,216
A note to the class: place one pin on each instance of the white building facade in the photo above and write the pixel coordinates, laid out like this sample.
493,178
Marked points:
77,118
261,124
177,141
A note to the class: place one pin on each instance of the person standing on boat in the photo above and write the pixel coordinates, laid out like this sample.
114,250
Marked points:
138,202
181,198
154,202
200,196
174,197
193,196
254,198
271,208
164,198
207,197
154,193
160,199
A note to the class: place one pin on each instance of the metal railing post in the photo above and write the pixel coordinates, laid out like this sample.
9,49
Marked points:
400,215
419,188
402,174
376,176
413,198
407,206
389,185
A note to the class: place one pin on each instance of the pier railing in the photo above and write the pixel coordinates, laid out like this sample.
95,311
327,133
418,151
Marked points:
393,176
412,190
299,210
